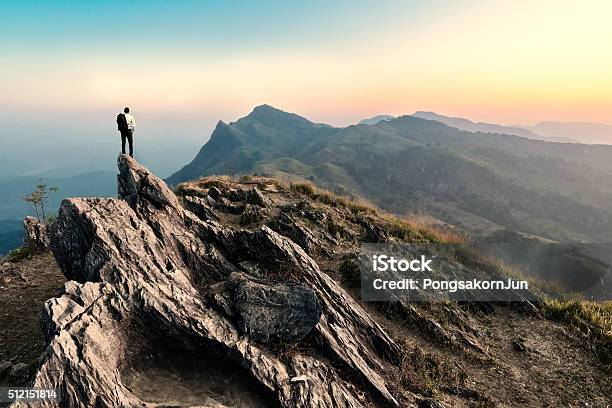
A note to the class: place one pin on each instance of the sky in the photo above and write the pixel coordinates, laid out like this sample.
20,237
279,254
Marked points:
183,65
68,67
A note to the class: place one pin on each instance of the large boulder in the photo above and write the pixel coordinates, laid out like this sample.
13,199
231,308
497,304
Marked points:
278,312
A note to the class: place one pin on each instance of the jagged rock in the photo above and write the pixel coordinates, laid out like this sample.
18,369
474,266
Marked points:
200,207
280,312
35,234
236,194
254,196
140,267
298,232
215,193
373,233
225,205
210,201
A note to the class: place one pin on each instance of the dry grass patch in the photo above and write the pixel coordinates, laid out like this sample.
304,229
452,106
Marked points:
327,197
592,319
426,374
441,235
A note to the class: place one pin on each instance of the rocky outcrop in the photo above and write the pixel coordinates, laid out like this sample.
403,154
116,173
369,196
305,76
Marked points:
35,234
149,276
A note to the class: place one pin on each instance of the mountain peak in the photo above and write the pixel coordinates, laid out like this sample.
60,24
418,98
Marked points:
220,125
268,114
266,108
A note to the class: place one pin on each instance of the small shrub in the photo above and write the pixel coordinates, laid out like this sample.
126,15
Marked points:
20,254
38,198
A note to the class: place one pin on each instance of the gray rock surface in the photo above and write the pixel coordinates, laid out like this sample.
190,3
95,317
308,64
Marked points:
140,268
281,312
298,232
200,207
254,196
35,234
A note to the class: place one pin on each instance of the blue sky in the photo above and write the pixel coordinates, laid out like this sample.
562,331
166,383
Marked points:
72,26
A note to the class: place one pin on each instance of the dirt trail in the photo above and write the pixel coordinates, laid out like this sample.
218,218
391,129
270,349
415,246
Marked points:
24,287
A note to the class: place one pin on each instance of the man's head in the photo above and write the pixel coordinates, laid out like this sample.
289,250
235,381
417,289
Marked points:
126,110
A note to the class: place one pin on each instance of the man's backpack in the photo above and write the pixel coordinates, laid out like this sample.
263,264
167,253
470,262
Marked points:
122,125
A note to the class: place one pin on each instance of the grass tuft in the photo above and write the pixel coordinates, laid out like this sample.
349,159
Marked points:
592,319
427,374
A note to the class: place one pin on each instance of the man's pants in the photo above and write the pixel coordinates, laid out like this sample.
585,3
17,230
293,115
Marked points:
127,135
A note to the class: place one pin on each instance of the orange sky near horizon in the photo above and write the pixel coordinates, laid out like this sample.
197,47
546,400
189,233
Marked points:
508,63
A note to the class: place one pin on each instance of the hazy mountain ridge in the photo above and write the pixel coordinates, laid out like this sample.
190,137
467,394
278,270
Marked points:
376,119
592,133
551,131
470,126
410,164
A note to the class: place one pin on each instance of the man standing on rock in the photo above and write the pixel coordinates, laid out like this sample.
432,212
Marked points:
125,125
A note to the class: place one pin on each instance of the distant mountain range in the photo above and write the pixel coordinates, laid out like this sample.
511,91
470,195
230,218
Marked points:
593,133
570,132
465,124
479,181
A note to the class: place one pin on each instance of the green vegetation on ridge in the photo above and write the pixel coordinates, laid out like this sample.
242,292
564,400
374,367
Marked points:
412,165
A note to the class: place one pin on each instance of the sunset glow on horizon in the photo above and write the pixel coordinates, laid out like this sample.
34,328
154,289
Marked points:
509,62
